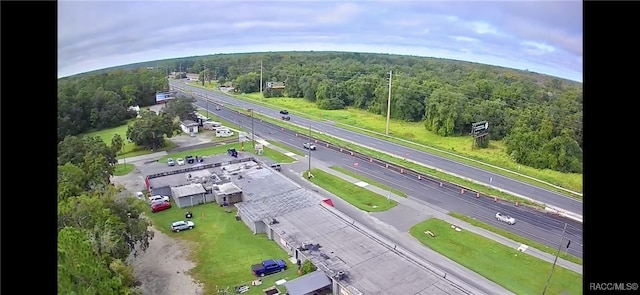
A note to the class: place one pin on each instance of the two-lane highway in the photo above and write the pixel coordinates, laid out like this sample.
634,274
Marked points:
489,178
538,226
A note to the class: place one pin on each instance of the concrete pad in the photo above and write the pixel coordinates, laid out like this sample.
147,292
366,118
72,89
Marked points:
290,154
361,184
402,217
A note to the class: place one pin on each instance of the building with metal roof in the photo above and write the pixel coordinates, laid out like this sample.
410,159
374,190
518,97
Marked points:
189,195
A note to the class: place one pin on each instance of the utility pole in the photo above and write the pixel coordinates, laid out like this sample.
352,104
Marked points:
309,171
204,69
252,134
555,260
260,80
389,103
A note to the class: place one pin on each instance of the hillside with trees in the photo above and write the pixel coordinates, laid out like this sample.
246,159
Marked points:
538,117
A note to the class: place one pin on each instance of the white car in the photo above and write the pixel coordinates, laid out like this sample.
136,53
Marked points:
157,198
309,146
505,218
180,161
139,195
182,225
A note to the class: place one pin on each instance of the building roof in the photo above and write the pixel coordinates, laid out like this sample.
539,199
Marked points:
257,182
187,190
189,123
278,205
181,178
229,188
371,266
307,283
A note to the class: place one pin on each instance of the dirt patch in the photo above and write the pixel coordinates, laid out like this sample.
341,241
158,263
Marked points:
162,268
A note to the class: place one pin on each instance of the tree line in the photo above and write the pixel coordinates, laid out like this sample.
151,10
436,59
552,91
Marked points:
94,102
99,226
539,117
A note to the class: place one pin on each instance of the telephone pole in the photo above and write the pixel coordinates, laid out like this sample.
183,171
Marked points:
260,80
389,103
309,171
253,140
555,260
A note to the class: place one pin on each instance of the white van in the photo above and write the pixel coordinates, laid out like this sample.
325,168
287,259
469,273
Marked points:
223,132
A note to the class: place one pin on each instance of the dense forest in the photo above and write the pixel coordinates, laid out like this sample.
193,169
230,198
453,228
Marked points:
98,228
539,117
102,101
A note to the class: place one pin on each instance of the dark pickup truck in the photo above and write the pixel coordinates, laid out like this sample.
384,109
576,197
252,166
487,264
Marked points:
268,267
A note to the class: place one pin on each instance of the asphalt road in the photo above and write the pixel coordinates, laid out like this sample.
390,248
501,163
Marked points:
479,175
535,225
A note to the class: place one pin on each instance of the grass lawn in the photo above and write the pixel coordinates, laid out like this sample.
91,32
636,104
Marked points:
288,148
224,249
356,120
517,238
123,169
130,149
518,272
368,180
400,162
363,199
222,149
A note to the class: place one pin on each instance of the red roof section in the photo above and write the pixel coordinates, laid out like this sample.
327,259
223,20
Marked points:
328,202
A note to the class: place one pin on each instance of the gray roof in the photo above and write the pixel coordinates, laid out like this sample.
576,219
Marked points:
278,205
229,188
187,190
371,265
258,183
189,123
307,283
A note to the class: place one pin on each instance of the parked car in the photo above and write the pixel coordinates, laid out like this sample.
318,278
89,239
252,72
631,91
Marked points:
232,152
180,161
159,198
286,118
190,159
309,146
284,112
139,195
160,206
267,267
505,218
171,162
182,225
276,167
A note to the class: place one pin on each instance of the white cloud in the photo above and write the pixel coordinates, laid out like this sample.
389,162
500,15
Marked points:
465,39
538,48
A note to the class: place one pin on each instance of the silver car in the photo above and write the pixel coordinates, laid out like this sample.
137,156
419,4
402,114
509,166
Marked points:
309,146
182,225
505,218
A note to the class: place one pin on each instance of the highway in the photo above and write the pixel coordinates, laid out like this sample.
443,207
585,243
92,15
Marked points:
504,183
535,225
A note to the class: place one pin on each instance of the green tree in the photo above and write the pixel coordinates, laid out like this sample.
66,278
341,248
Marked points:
182,108
150,130
117,143
307,267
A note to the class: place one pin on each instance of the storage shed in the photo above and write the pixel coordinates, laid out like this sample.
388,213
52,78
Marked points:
228,193
188,195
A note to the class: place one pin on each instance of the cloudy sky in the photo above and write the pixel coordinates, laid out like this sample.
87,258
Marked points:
541,36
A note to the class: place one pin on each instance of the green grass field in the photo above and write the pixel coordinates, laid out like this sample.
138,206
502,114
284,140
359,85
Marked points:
518,272
130,149
222,149
361,198
224,249
401,162
368,180
354,119
517,238
123,169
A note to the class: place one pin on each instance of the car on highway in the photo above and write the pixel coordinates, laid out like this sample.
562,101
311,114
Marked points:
180,161
182,225
171,162
505,218
217,108
286,118
284,112
160,206
309,146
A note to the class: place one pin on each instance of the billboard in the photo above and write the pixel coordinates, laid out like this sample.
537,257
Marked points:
162,97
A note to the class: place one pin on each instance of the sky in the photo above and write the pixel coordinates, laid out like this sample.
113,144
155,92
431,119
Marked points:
539,36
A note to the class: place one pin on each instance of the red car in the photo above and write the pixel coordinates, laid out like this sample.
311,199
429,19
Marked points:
160,206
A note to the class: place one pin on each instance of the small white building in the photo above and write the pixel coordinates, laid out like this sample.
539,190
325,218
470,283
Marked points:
189,127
